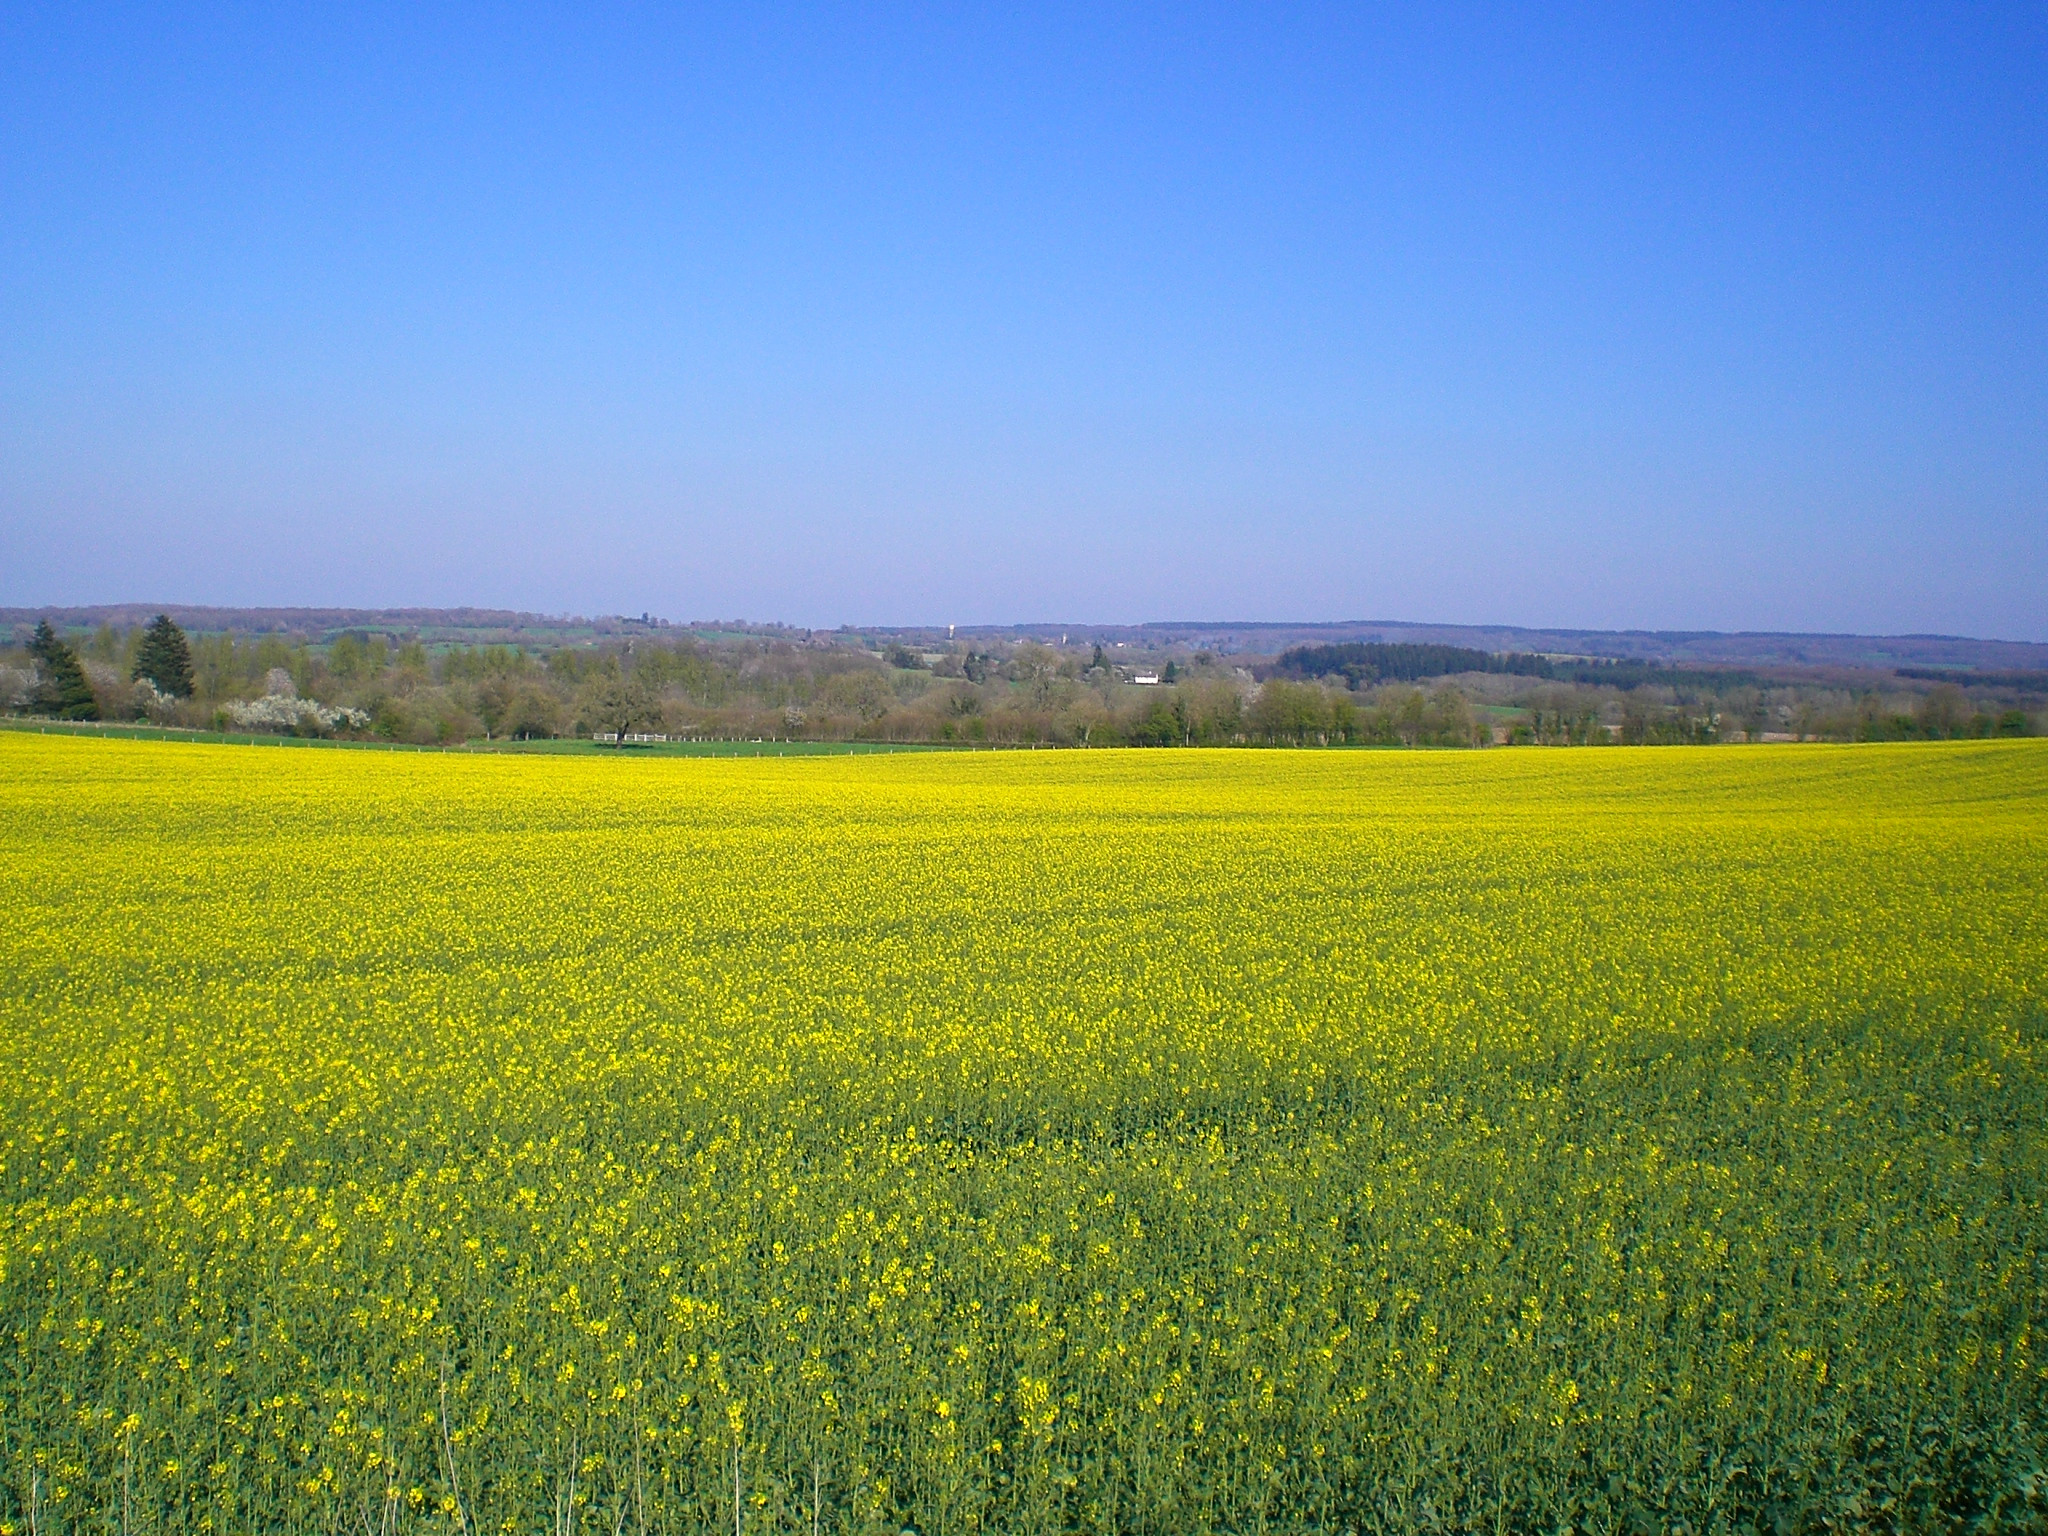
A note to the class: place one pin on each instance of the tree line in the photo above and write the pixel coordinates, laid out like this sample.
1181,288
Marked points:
56,684
397,687
1359,662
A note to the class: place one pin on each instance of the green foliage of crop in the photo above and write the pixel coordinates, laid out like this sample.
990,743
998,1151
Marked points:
1642,1139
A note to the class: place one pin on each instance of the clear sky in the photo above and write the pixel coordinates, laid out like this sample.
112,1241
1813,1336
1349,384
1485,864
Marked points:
1732,317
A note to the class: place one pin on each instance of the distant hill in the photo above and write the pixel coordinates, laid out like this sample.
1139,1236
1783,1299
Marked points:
1690,647
1914,655
302,621
471,626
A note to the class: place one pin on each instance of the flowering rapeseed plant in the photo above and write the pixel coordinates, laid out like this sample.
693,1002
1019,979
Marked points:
1062,1141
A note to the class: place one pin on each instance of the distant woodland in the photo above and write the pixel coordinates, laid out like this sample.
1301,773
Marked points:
427,683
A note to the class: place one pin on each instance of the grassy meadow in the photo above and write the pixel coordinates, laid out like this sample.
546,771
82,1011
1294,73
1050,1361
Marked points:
1644,1139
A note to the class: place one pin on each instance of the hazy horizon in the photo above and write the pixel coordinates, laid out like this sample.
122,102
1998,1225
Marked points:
831,316
1294,629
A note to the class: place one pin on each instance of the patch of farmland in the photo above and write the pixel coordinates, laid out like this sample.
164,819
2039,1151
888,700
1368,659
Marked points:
1059,1141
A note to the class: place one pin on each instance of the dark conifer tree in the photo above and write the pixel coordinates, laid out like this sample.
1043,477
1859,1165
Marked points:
164,658
63,693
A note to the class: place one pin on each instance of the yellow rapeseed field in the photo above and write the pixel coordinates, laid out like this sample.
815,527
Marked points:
1172,1141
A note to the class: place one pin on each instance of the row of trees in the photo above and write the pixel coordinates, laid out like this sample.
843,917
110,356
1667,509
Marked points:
397,688
57,685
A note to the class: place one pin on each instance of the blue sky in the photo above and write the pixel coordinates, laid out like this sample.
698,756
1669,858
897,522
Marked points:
1592,317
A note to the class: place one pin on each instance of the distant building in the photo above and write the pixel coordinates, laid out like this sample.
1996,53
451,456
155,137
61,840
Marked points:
1145,679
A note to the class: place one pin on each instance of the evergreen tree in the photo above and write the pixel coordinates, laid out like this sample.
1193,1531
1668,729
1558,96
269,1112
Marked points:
164,658
63,693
